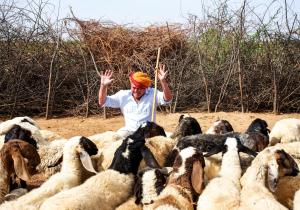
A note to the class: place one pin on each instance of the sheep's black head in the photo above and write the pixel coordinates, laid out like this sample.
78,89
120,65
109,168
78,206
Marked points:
259,125
129,154
151,129
17,132
187,126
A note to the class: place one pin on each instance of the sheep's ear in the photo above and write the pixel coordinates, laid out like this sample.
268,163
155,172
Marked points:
197,176
20,166
149,157
272,175
86,161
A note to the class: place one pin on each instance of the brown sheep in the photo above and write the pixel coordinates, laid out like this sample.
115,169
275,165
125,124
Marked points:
18,158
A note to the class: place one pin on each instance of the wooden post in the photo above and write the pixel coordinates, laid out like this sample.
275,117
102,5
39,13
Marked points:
155,85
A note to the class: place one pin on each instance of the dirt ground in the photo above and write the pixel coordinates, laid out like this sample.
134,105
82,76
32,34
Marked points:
72,126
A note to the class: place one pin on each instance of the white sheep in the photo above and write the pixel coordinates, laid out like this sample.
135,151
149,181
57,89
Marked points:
185,182
25,122
16,158
108,189
285,130
268,166
104,137
223,192
76,158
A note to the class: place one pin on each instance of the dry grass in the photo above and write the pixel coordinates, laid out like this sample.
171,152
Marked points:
72,126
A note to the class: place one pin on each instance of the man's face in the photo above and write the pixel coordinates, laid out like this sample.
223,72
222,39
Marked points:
137,93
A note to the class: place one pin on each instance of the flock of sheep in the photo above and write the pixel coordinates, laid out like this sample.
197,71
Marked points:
152,169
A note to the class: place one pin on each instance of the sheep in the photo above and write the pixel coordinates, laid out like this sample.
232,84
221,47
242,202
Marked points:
76,159
148,185
17,158
187,125
223,192
185,182
109,136
210,143
297,201
288,185
49,152
285,130
22,121
112,187
108,149
269,165
257,135
220,127
103,138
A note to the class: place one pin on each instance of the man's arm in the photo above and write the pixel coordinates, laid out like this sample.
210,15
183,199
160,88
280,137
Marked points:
166,90
102,94
162,75
106,79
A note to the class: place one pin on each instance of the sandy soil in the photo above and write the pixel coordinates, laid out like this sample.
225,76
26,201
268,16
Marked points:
72,126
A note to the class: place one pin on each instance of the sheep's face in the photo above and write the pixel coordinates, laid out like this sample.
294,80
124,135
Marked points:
259,125
84,149
189,164
151,129
280,164
20,158
187,126
149,184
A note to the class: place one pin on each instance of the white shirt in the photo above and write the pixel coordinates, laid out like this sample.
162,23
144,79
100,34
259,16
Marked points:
135,113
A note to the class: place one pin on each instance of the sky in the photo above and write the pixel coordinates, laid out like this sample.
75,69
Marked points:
145,12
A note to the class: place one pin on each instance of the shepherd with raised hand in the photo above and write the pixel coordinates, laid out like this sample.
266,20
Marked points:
136,103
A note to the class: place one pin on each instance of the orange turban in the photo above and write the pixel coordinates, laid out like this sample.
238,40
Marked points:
140,79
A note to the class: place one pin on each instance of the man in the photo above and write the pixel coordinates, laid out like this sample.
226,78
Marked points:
136,103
